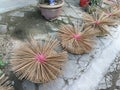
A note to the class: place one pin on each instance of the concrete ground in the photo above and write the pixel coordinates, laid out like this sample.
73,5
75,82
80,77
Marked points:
19,19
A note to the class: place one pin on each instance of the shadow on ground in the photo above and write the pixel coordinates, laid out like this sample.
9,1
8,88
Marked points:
23,22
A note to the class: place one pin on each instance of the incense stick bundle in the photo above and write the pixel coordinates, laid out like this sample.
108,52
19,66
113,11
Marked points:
38,61
98,22
5,84
112,12
75,41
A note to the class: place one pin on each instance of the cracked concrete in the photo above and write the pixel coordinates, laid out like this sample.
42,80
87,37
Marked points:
20,23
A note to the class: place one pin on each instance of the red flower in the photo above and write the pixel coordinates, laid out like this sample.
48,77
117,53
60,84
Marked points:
84,3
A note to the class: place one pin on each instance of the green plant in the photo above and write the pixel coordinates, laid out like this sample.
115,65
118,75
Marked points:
2,63
93,4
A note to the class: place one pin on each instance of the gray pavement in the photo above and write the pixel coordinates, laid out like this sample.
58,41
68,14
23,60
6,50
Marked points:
8,5
19,18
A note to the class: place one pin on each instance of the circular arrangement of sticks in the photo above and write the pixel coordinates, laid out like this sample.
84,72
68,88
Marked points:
75,41
38,62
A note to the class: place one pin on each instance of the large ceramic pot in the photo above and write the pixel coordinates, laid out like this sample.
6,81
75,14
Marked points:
51,12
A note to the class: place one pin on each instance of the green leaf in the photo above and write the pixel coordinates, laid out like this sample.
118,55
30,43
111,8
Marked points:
2,63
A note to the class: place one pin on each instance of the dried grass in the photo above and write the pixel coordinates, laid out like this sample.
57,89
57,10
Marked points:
38,62
75,41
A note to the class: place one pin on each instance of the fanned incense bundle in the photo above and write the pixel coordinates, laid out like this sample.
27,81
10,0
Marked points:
111,12
98,22
5,84
114,8
75,41
38,62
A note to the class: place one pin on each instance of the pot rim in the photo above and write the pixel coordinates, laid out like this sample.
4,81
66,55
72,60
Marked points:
51,6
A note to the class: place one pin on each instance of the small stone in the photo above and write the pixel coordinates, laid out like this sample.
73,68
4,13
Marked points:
65,20
17,14
3,29
60,18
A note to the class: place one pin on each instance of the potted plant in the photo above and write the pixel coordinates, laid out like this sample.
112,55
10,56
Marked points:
50,9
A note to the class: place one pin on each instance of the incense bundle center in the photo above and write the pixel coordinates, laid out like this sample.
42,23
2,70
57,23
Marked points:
97,22
76,36
40,57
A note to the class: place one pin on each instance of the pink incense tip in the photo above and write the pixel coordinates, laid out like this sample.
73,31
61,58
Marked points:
40,58
97,22
76,36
